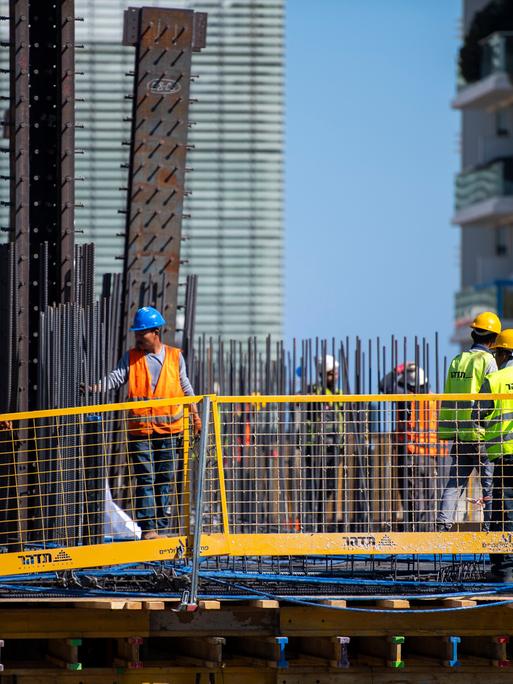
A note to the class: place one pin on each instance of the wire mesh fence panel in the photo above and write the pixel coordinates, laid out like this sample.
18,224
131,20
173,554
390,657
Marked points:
361,465
281,475
70,460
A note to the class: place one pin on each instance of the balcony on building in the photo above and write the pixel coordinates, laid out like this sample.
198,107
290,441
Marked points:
494,89
496,296
484,195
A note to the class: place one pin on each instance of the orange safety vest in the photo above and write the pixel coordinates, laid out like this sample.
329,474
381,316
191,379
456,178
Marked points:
162,419
421,433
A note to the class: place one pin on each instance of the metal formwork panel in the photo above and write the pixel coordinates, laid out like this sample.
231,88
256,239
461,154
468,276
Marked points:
164,41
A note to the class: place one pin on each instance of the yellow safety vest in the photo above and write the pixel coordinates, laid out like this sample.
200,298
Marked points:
499,423
465,376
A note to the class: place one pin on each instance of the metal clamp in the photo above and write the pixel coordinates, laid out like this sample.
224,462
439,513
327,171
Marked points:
343,660
185,605
396,660
502,659
453,642
282,642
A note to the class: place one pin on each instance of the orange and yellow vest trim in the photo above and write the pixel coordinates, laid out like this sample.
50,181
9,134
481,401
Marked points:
421,429
162,419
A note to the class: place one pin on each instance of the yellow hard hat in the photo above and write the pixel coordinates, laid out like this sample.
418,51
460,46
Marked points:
487,321
504,340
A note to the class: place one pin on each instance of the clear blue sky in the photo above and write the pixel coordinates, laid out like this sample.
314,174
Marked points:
371,153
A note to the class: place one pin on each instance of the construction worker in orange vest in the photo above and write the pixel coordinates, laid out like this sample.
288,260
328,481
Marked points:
417,444
153,370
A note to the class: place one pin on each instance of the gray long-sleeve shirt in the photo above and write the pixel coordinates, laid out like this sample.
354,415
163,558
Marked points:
119,376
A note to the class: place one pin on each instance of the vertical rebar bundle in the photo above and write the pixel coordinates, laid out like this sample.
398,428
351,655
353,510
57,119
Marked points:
231,367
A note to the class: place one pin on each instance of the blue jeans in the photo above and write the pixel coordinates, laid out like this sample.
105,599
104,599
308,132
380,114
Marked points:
153,461
464,457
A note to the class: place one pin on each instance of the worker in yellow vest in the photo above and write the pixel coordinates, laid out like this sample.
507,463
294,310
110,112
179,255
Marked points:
496,417
153,370
325,435
465,375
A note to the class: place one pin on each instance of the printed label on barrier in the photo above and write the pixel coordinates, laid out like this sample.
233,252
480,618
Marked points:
503,545
44,558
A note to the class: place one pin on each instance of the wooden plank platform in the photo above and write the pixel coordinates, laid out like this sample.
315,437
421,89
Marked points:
63,618
227,642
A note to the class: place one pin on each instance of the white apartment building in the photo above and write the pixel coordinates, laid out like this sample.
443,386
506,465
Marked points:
484,187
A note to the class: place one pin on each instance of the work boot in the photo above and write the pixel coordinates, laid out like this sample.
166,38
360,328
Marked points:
149,534
443,527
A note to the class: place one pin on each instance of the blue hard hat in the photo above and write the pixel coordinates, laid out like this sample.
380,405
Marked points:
146,319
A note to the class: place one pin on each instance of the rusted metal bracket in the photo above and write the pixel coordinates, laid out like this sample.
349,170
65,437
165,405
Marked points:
164,40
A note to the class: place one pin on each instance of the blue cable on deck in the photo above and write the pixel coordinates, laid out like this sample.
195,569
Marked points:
315,604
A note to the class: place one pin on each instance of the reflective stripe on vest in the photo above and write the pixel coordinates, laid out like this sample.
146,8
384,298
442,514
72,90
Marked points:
499,423
465,376
161,419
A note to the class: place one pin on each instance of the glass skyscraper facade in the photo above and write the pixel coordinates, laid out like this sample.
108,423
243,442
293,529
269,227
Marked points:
234,238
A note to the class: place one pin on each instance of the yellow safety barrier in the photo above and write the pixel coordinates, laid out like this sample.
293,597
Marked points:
80,488
282,475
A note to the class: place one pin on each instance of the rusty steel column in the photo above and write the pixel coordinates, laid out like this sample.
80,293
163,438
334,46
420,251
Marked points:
42,152
41,148
66,149
16,276
17,297
164,41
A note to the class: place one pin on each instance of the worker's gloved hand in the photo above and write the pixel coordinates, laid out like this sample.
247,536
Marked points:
196,421
5,424
90,388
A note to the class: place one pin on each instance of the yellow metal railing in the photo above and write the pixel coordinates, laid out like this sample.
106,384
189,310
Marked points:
282,475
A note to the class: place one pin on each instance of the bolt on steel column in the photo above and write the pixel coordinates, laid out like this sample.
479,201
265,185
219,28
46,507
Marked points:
164,41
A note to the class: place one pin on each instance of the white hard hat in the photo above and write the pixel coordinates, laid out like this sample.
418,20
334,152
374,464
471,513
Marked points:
415,375
330,364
